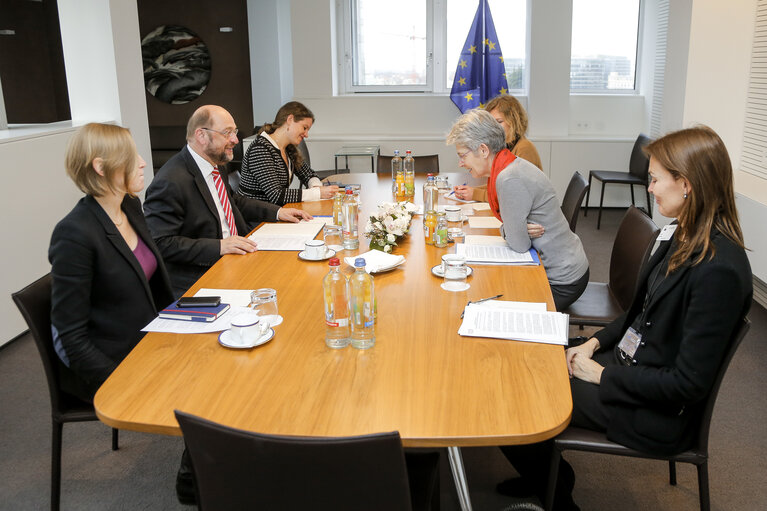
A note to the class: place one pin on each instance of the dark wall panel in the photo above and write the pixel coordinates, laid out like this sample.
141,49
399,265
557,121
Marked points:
229,84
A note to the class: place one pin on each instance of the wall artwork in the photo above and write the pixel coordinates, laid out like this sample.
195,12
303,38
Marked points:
176,64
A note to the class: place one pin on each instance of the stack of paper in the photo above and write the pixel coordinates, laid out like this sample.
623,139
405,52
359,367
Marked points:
494,250
484,222
239,299
519,321
286,235
377,261
481,206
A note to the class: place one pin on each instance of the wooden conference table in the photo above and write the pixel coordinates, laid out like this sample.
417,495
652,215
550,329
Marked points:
421,378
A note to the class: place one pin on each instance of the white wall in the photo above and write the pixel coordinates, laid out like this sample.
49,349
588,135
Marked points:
43,195
721,36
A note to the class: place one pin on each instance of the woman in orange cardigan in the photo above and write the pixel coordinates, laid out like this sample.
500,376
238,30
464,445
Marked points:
510,114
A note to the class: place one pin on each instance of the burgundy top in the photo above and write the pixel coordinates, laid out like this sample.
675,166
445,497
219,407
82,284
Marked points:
146,258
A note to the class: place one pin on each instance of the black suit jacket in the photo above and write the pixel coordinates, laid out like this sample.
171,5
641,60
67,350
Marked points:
184,222
101,298
654,405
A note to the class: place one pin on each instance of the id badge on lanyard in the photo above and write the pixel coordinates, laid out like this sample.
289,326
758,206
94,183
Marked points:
630,342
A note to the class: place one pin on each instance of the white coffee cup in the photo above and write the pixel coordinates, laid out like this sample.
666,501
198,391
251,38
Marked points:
314,249
453,213
247,327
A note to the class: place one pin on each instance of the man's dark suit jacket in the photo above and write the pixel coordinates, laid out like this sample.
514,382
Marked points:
184,221
655,405
101,298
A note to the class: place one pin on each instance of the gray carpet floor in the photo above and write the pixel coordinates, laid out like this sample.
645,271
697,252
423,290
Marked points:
141,474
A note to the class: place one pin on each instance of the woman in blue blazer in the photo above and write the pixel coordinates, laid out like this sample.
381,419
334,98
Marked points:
643,379
109,279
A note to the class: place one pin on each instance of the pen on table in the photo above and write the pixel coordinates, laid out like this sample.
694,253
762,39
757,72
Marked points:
480,301
451,193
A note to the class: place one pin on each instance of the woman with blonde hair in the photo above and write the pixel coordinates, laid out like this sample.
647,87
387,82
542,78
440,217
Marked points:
273,158
108,277
644,378
510,114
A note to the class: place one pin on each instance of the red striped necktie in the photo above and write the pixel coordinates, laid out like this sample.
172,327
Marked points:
221,189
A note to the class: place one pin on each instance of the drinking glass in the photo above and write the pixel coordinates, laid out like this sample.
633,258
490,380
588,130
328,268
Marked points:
264,301
333,237
455,271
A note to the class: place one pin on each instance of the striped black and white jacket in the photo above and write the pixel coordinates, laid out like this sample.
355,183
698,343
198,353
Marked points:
265,176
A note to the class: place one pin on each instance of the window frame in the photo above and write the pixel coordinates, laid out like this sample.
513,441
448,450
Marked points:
637,66
436,54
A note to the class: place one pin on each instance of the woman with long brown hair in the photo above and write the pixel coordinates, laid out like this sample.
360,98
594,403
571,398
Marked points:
643,378
273,159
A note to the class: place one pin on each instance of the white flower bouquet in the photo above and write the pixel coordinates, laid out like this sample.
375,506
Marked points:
391,222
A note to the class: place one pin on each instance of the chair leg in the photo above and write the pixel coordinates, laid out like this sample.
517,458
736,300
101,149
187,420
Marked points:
588,193
671,473
601,200
703,495
115,439
551,486
632,195
56,465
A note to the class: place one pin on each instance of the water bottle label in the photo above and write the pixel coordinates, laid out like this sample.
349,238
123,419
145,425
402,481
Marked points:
338,322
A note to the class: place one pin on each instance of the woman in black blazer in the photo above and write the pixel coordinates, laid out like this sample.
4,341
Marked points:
109,279
643,378
273,158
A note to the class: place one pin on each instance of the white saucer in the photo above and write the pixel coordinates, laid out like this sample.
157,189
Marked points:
455,286
437,271
225,339
272,319
328,254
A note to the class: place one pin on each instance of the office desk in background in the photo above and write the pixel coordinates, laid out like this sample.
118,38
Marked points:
421,378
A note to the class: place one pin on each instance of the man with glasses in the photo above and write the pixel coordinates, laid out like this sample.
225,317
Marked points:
191,211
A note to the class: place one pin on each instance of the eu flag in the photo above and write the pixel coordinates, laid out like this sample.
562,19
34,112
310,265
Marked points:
480,75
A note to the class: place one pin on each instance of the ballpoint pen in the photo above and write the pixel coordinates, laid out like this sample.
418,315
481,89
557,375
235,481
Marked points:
480,301
451,193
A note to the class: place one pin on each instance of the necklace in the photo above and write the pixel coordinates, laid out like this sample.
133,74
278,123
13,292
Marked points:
122,219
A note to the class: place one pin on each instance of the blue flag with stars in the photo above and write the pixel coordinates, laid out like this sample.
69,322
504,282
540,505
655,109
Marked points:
480,75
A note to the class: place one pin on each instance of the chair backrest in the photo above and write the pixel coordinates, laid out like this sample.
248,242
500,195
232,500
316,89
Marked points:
708,410
34,302
237,469
571,203
639,162
424,164
631,249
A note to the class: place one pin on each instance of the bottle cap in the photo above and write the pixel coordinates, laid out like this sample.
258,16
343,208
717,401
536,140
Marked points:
407,152
429,175
334,262
359,262
349,191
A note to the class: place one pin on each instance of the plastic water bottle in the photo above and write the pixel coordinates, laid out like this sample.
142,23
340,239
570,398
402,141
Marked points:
430,194
362,307
396,166
409,165
349,221
336,288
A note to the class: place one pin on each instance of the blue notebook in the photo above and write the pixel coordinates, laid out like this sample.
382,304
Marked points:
207,314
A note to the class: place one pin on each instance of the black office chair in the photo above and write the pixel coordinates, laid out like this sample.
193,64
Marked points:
237,469
637,175
34,302
571,203
577,439
601,302
424,164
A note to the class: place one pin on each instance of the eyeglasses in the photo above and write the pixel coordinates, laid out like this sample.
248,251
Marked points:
227,133
462,156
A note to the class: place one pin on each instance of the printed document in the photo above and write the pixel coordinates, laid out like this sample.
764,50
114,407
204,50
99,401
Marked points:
287,236
515,321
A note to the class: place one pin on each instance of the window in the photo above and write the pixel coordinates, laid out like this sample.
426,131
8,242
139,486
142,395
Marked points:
413,45
604,46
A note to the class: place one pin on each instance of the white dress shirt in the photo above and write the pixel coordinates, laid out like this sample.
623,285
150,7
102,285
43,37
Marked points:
207,174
